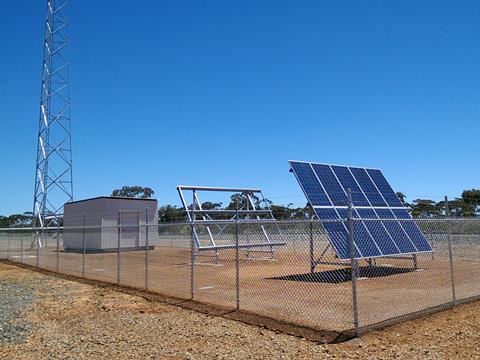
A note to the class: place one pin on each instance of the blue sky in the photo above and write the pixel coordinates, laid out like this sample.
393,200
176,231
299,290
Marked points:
223,93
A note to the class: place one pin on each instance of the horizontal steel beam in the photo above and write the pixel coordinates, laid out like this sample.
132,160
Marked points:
241,246
401,257
233,212
213,188
232,221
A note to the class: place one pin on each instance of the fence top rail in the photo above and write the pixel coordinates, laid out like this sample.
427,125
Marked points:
239,221
29,228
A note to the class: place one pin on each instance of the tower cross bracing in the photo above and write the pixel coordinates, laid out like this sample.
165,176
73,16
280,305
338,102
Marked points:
53,171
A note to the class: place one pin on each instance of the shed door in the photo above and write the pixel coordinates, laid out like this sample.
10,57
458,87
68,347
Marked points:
130,228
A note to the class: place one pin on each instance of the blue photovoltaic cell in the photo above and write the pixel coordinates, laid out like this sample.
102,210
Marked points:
401,214
348,182
343,213
327,214
362,239
396,231
309,182
376,228
330,184
336,231
411,228
384,187
368,187
383,228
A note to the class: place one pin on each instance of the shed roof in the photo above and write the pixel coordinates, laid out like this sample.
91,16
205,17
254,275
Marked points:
110,197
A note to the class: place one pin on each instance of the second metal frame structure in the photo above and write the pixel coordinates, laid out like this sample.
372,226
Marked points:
249,211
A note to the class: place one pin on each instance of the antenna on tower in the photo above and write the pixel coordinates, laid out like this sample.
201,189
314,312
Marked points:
53,171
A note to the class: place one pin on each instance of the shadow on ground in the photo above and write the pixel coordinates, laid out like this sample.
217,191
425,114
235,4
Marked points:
337,276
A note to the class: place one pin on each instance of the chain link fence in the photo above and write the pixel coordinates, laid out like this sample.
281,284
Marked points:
301,282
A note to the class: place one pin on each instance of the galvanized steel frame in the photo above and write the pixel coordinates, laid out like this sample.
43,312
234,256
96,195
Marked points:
207,220
53,170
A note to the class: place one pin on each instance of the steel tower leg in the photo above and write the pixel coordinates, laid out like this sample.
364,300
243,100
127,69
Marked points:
53,170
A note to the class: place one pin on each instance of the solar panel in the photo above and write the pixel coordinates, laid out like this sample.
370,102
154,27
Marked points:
348,182
384,187
312,189
336,231
368,187
384,227
330,184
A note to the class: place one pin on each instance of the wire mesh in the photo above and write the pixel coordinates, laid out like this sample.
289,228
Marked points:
303,283
100,259
300,280
214,270
169,262
394,286
47,251
465,244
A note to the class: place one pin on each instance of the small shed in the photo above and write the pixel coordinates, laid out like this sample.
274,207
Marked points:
99,223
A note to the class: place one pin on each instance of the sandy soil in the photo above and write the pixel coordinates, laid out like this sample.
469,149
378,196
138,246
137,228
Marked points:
265,289
79,321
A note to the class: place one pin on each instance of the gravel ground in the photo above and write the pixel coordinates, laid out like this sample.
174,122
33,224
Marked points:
16,298
70,320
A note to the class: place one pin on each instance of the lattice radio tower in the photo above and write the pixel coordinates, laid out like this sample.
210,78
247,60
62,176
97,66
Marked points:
53,172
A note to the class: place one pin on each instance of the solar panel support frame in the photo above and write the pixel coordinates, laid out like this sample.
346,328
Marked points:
207,220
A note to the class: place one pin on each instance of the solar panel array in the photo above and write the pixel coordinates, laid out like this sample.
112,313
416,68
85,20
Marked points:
384,227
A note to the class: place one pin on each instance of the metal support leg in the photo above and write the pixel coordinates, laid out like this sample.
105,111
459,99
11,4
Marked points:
415,262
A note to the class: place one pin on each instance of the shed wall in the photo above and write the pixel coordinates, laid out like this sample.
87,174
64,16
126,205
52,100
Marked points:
73,219
102,216
113,216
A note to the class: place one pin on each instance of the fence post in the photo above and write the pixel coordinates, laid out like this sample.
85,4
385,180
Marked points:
83,247
146,248
450,254
192,250
45,243
312,260
21,247
38,247
8,246
58,245
119,223
237,260
353,264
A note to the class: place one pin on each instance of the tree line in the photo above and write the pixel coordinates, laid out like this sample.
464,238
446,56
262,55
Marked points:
467,205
